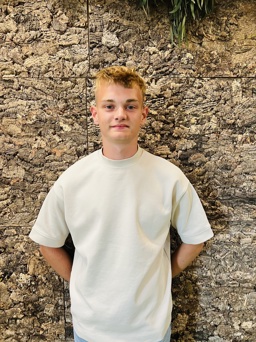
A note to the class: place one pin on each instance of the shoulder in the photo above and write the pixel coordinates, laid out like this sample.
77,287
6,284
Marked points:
165,172
161,163
80,168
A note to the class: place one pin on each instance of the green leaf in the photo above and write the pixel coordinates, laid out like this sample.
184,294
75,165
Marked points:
176,8
183,28
192,9
180,11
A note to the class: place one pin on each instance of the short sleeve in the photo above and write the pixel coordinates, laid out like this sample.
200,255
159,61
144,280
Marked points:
189,218
50,228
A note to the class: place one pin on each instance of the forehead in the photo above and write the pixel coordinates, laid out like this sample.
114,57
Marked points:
115,91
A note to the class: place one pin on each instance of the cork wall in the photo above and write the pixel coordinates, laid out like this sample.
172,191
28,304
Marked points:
202,100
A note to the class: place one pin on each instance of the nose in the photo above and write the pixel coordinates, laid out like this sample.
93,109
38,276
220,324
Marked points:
120,114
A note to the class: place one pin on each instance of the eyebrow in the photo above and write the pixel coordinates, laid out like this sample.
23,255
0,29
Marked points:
127,101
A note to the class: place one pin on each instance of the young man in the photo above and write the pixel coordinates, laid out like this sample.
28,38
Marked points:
118,204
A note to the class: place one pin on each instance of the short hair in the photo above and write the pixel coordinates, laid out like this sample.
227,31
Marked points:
127,77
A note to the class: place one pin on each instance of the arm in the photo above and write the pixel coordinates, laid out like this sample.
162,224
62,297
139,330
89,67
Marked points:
183,257
59,260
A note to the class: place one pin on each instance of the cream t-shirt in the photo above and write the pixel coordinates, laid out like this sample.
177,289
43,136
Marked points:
119,214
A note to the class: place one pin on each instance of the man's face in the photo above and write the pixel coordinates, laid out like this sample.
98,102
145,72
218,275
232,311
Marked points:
119,112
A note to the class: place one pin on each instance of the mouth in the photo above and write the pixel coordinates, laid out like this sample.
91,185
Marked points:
121,126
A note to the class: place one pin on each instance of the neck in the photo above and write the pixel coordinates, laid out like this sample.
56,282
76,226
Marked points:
119,152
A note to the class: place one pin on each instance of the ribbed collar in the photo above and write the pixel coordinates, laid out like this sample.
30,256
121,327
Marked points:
123,162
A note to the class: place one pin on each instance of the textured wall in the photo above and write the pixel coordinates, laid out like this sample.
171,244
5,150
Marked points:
202,98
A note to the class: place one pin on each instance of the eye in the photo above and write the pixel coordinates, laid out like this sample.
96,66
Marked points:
109,107
131,107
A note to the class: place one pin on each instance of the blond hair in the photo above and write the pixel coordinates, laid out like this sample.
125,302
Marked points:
127,77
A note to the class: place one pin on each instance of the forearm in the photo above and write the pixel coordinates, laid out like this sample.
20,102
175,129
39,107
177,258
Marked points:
183,257
59,260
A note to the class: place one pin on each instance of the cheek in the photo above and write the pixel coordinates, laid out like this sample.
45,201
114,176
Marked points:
98,119
102,123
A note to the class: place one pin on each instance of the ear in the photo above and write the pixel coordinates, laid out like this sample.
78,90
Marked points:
144,115
93,111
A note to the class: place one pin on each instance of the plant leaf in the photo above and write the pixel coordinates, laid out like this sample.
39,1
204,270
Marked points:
176,8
